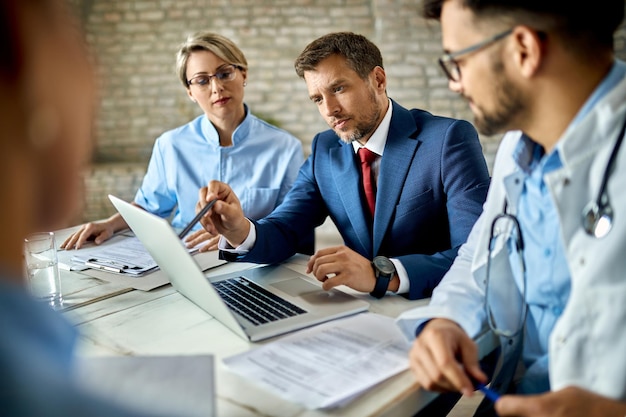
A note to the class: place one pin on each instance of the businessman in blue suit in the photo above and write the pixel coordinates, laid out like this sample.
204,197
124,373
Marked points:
429,178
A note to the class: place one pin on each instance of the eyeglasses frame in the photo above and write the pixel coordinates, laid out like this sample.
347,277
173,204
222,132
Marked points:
213,76
451,57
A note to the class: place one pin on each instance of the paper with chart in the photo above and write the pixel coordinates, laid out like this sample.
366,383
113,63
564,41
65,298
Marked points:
328,365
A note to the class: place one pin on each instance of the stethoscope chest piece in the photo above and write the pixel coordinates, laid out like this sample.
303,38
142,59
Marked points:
598,219
598,214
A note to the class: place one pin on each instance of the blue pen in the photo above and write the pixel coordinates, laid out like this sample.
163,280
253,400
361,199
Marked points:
489,393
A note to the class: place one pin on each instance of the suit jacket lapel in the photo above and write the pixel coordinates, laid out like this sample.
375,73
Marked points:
394,167
347,179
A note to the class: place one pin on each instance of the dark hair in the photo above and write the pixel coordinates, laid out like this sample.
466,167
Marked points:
361,54
588,24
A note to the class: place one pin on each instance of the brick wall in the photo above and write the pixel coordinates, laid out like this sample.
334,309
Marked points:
135,42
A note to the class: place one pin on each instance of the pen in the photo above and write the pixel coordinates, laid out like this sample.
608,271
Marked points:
196,219
489,393
102,267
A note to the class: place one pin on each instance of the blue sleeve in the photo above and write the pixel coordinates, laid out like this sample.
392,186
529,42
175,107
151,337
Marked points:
154,195
289,228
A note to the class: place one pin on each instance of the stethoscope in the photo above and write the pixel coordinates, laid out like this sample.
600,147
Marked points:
597,216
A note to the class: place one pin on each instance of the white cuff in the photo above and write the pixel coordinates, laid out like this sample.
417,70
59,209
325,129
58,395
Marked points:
405,284
245,246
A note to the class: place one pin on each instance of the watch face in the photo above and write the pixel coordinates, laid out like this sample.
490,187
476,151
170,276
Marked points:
384,265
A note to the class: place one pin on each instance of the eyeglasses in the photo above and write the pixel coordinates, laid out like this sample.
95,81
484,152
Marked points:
449,63
506,295
223,75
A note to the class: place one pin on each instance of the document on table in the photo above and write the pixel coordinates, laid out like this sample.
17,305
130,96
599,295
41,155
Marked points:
125,255
122,254
181,386
327,366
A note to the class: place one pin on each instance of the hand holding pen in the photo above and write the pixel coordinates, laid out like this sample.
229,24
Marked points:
444,358
488,392
227,217
196,219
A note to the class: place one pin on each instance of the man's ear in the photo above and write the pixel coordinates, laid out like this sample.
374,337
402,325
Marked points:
380,78
529,50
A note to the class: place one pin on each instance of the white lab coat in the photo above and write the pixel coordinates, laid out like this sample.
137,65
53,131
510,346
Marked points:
587,347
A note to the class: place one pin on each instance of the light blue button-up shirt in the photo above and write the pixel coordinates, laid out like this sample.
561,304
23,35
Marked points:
547,273
260,167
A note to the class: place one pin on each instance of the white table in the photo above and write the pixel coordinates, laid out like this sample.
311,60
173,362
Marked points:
163,322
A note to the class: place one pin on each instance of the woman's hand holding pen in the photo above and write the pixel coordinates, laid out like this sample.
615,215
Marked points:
226,216
444,358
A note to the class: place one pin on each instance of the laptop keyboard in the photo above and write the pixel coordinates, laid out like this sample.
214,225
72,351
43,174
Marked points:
254,302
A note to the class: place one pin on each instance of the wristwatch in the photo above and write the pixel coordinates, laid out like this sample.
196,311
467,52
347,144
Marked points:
384,270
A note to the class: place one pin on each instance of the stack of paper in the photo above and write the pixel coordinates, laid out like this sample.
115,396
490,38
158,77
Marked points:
328,365
126,255
122,254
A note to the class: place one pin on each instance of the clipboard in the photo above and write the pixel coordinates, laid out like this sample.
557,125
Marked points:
115,266
122,254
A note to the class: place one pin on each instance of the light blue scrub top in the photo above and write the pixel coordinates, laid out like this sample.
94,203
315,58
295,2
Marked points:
260,167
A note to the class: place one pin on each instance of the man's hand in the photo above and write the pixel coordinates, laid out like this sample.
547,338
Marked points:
199,236
226,216
570,402
340,265
443,358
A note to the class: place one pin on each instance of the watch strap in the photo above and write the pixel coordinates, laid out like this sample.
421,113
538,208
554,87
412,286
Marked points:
382,282
380,289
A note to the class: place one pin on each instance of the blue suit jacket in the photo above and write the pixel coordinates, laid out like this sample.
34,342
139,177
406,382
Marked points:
432,183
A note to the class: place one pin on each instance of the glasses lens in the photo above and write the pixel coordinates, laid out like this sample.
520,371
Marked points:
225,75
505,278
200,80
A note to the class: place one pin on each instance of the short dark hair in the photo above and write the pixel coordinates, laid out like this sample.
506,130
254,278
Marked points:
360,53
590,24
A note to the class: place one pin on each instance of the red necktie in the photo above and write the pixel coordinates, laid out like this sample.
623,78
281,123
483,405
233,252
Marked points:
367,157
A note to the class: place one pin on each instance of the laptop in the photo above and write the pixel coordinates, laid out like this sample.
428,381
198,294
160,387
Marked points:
257,303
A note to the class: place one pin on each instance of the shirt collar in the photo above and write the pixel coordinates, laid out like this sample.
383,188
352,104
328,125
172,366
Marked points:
529,156
526,153
240,133
376,142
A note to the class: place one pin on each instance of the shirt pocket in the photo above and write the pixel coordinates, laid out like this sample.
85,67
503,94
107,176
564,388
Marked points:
259,202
